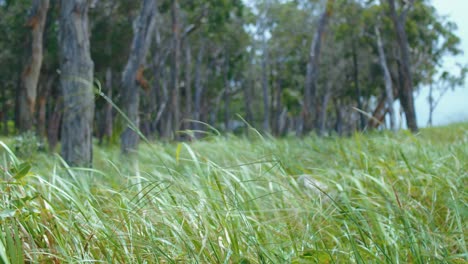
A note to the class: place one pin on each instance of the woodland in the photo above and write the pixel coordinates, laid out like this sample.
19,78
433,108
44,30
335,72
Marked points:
228,131
120,71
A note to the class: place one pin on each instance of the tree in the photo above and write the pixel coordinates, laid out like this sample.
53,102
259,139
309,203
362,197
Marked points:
406,87
30,75
310,87
387,78
76,81
132,74
175,66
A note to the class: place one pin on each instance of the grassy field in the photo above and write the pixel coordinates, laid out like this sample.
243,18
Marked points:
376,198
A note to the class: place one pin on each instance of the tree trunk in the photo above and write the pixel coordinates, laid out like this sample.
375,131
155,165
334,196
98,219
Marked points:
44,93
339,118
362,120
4,112
142,36
248,87
388,79
76,80
265,90
104,110
188,84
198,87
175,94
431,104
32,70
53,124
227,94
406,89
323,112
310,89
108,107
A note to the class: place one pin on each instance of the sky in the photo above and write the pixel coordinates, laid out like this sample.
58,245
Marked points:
453,106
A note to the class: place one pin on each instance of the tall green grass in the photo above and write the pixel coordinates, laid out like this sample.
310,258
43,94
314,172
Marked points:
383,198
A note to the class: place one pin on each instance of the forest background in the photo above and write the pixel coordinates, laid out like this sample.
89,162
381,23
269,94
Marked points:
123,70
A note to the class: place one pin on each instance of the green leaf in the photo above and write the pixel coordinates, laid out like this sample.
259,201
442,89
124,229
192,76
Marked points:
8,213
22,170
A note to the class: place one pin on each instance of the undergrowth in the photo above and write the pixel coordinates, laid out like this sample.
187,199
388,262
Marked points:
379,198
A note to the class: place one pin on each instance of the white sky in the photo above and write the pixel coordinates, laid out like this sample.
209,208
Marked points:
454,105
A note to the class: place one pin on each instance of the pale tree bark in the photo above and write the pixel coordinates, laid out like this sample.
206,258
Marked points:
310,89
143,28
387,78
32,70
406,89
76,80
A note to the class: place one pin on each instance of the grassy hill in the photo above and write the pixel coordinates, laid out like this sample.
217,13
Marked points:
376,198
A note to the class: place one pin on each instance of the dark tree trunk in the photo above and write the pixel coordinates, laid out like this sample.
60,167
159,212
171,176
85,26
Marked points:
198,87
278,120
310,89
188,85
322,118
44,93
431,104
265,90
108,115
53,124
175,93
339,118
4,112
76,80
32,69
142,36
362,120
104,111
227,94
248,86
406,89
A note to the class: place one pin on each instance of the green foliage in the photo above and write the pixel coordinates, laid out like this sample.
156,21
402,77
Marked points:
388,198
27,144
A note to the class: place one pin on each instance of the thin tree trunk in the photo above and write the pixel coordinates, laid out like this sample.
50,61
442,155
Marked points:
108,127
278,108
388,79
265,90
339,118
31,72
143,30
323,111
4,112
431,104
362,120
198,86
406,93
175,94
310,89
103,106
248,86
227,94
42,104
53,124
188,84
76,79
